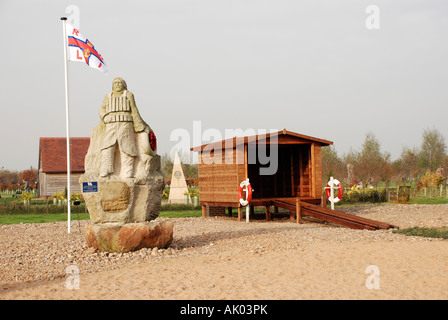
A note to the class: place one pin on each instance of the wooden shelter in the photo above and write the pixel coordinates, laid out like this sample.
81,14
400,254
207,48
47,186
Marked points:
298,174
53,164
294,184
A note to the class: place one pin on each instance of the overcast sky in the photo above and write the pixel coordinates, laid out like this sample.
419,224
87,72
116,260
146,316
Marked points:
312,67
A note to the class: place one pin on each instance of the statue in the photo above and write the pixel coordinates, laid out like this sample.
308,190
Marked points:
123,165
122,120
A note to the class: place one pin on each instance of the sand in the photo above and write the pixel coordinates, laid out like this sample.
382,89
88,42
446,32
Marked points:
223,259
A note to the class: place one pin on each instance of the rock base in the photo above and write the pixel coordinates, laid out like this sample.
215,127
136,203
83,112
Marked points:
125,200
113,237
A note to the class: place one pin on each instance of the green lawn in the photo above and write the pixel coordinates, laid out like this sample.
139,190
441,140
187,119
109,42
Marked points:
181,214
418,200
54,217
425,232
39,217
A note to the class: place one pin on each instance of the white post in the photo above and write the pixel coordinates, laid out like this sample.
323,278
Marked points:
247,207
331,193
67,117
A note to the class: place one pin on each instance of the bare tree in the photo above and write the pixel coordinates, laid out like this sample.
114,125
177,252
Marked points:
350,161
433,150
332,165
407,164
386,169
166,165
369,161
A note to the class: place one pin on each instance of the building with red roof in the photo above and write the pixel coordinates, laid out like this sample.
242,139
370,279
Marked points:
53,164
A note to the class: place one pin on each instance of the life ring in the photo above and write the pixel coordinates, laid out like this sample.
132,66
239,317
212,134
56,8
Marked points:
340,191
246,184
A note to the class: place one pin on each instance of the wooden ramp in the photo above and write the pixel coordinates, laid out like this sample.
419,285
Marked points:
332,216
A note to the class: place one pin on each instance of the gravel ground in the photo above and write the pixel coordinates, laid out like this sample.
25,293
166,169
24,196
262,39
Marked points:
31,252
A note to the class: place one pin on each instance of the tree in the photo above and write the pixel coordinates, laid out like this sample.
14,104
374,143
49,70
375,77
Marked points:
29,175
386,169
166,165
407,164
332,165
9,178
350,161
433,150
190,170
370,161
369,166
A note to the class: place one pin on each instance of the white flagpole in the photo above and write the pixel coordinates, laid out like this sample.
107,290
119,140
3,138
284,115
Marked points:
64,20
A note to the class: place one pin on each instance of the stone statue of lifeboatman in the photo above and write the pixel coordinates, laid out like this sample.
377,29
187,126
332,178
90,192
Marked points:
122,120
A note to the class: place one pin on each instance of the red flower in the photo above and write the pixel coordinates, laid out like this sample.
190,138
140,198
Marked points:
153,141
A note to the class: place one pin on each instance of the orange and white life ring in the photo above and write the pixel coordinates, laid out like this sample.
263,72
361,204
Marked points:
338,186
246,184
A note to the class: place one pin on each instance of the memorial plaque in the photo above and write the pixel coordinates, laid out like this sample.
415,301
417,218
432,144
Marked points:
90,187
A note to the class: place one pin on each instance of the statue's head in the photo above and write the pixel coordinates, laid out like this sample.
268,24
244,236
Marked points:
119,84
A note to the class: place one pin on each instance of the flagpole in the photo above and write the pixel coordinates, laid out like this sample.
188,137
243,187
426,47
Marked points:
64,20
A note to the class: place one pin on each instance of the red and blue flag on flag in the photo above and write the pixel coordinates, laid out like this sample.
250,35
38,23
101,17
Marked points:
81,49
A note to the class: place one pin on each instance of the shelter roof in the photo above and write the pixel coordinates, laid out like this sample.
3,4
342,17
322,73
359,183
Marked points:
283,137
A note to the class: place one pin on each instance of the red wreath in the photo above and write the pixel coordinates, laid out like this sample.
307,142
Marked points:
152,141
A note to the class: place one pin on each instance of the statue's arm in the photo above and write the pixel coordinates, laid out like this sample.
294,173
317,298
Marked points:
139,124
103,108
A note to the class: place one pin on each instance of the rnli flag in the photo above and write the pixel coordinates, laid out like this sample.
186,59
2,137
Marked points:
81,49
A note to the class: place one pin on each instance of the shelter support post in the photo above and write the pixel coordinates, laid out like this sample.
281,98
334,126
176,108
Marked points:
323,201
298,211
291,214
268,213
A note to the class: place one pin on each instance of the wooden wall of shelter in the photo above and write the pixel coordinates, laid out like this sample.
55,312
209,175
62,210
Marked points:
53,164
298,175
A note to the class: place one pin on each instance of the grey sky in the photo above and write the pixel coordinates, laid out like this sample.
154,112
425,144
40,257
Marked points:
308,66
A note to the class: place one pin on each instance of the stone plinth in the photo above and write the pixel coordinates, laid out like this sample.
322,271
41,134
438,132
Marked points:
116,237
124,200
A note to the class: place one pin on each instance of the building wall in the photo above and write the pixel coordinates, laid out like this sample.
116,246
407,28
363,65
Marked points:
50,183
317,171
220,181
216,211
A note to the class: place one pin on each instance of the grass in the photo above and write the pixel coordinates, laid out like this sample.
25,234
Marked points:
414,200
40,217
180,214
428,201
55,217
425,232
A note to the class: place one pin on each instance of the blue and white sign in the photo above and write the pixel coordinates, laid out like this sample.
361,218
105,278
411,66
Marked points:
90,186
